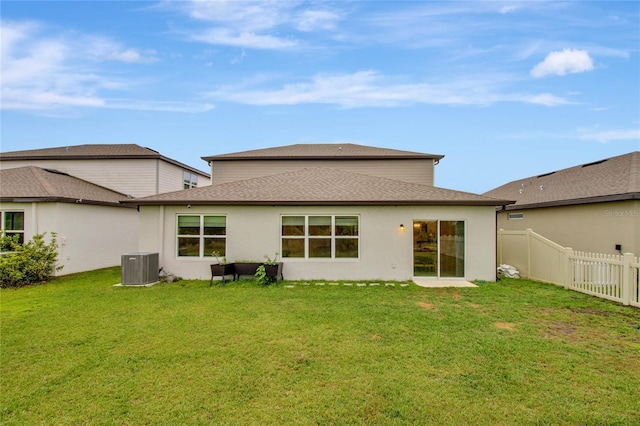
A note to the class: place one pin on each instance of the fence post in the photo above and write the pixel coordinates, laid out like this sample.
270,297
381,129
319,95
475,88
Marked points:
627,276
567,275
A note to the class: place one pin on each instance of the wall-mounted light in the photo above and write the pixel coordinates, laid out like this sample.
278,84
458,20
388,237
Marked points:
401,227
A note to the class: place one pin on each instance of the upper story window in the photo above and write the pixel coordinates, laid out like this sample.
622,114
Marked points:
13,224
200,235
322,236
189,180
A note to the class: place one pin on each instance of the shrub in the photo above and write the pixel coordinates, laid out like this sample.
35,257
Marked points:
29,263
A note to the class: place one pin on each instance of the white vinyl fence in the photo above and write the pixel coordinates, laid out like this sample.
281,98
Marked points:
613,277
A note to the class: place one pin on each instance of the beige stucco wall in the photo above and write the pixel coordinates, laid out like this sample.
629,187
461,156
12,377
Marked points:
591,227
412,170
386,252
89,237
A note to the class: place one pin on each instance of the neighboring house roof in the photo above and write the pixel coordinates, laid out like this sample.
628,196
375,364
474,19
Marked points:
318,186
93,152
344,151
34,184
611,179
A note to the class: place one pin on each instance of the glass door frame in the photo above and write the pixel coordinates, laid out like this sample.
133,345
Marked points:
434,255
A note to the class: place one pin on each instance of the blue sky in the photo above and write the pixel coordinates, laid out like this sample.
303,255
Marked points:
505,90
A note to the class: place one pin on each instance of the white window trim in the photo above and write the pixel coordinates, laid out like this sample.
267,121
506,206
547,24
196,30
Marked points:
13,231
192,182
201,236
332,237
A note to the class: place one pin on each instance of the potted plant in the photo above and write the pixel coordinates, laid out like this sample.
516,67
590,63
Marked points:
222,268
273,268
246,267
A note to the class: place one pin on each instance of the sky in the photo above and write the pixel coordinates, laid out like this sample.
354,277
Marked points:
503,89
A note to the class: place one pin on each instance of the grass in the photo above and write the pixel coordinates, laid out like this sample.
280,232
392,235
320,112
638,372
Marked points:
80,351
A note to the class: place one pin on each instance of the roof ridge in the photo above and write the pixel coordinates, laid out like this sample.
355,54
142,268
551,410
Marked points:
37,173
321,151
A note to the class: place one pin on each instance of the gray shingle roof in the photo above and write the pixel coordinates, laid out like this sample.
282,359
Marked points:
36,184
89,152
345,151
319,186
611,179
84,151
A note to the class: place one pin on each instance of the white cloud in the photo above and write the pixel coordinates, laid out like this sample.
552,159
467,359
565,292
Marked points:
508,9
44,71
372,89
311,20
611,135
255,24
546,99
567,61
242,39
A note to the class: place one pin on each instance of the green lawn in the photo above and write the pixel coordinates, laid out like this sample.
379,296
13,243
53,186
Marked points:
80,351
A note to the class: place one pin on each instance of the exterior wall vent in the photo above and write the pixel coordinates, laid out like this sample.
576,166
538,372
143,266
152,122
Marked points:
140,268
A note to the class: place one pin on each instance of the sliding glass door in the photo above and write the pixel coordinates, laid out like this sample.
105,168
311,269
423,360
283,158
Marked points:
438,248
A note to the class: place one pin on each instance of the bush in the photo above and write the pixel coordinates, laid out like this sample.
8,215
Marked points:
29,263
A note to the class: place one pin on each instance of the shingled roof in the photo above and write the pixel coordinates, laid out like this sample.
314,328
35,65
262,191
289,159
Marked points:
93,152
318,186
345,151
34,184
611,179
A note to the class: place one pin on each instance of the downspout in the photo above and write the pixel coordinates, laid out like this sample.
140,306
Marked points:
161,234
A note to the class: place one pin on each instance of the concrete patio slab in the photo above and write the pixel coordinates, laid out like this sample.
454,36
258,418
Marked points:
431,283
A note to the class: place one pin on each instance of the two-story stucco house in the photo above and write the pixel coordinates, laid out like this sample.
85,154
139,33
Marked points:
332,211
76,191
127,168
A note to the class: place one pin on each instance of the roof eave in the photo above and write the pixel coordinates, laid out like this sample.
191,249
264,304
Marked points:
64,200
492,203
577,201
325,157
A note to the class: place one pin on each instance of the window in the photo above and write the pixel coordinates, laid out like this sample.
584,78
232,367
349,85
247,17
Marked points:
200,235
13,224
189,180
320,237
512,216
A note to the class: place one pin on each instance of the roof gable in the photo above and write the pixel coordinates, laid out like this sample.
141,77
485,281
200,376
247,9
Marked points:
36,184
615,178
319,186
345,151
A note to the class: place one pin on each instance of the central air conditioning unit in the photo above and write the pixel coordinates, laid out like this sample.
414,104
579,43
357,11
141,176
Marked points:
140,268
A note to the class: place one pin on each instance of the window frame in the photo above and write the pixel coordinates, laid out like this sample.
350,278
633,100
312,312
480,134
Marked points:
189,180
202,236
4,231
309,237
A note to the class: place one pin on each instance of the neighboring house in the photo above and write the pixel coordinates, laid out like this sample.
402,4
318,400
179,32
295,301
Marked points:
384,221
592,207
93,228
126,168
